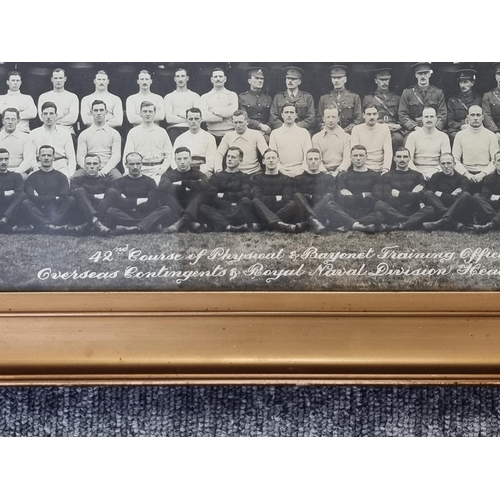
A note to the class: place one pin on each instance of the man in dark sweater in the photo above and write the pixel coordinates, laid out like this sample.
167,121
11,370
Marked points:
89,191
11,194
449,196
183,190
313,190
228,206
400,193
355,205
487,203
49,203
133,201
272,194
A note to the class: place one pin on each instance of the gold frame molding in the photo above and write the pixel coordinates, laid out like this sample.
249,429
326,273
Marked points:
126,338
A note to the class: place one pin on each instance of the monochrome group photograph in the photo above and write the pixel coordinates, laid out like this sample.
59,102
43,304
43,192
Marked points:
250,176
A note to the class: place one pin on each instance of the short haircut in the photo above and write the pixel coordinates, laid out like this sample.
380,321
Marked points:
368,106
97,102
331,107
101,72
218,69
182,149
143,72
47,146
401,148
429,107
447,154
181,69
133,153
49,104
289,105
147,104
92,155
194,110
359,146
12,110
236,148
58,70
241,112
3,151
270,150
313,150
13,73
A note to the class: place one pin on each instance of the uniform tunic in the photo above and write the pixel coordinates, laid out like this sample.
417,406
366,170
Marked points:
458,109
413,102
386,103
304,103
257,106
491,110
348,104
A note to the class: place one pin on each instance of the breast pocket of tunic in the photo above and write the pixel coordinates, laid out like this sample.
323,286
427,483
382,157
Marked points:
348,113
415,110
495,109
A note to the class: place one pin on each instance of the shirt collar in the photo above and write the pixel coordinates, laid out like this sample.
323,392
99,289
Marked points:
94,128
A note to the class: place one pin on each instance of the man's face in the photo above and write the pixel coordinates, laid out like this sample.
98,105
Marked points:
496,161
289,114
240,124
429,118
144,81
358,158
497,78
331,118
183,161
46,157
92,166
465,85
447,164
101,82
10,121
194,121
256,82
218,79
475,116
148,114
14,83
99,114
49,116
271,161
382,83
313,161
233,159
423,77
370,116
181,78
292,83
134,165
58,80
402,160
339,82
4,162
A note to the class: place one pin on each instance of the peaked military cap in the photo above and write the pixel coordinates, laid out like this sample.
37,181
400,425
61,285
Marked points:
294,71
256,71
421,66
382,72
466,74
338,70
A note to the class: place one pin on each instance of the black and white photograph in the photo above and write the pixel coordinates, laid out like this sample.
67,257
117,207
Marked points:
286,176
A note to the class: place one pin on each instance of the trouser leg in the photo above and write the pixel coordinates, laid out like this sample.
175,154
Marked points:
484,210
11,208
214,217
391,215
193,205
461,210
304,209
118,217
242,213
288,212
436,202
416,219
337,215
265,214
161,215
34,214
84,208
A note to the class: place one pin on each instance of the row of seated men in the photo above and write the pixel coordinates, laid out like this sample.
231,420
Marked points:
358,199
402,113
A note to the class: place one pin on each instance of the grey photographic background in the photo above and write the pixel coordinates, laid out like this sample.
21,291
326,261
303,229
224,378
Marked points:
250,411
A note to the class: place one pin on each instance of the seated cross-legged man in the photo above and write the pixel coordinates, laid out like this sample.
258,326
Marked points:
400,194
313,190
228,206
486,204
272,194
183,190
49,203
11,194
89,191
133,201
354,208
448,193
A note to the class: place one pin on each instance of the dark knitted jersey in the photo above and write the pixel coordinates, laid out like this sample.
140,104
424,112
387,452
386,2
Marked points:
93,185
402,180
357,182
266,187
447,183
491,185
192,180
233,187
48,185
137,187
316,185
11,181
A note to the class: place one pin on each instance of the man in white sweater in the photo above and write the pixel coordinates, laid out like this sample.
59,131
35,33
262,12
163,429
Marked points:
376,138
474,149
22,102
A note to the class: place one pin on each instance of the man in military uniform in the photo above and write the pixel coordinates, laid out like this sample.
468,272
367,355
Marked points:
303,102
491,105
458,106
423,95
256,103
347,102
387,104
